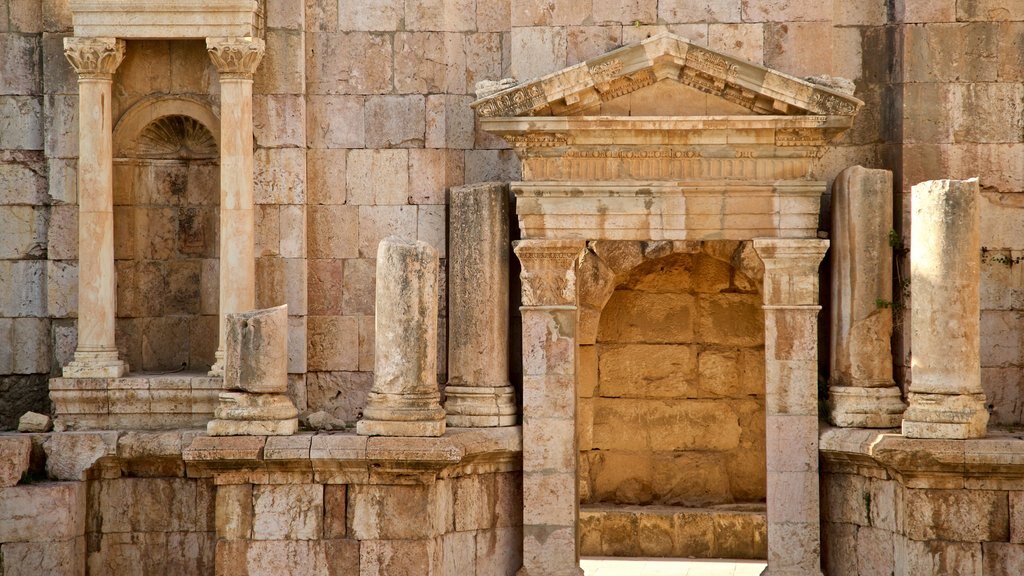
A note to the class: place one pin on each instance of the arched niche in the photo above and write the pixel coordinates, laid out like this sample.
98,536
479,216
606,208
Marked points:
166,200
671,398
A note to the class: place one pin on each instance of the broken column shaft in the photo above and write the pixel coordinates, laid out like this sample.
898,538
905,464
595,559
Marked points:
946,399
862,392
404,400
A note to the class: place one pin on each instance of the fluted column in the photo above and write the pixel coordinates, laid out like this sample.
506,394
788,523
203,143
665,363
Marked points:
550,494
95,60
478,391
945,399
236,60
791,411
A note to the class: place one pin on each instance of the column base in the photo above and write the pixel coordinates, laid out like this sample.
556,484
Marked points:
480,406
948,416
217,370
104,364
402,415
252,427
863,407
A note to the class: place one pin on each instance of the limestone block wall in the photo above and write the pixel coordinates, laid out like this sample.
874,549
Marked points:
671,407
902,507
30,119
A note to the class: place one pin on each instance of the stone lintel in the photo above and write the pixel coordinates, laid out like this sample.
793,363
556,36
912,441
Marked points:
172,19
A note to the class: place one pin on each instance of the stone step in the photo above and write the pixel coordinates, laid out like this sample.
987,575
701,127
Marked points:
723,531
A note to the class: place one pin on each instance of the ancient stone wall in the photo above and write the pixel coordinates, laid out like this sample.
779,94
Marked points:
675,411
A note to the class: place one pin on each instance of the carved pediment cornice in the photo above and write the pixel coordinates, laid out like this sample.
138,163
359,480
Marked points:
582,88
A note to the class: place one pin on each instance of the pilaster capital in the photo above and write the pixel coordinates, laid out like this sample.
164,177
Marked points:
236,57
549,271
96,58
791,269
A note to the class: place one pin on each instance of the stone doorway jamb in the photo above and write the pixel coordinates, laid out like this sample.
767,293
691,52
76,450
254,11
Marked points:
236,60
550,493
791,413
95,60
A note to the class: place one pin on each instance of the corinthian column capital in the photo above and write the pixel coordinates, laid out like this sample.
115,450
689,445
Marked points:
236,57
94,57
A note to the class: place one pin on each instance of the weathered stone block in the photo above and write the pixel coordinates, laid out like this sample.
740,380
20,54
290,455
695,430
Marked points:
937,557
399,557
378,177
957,515
65,558
283,67
379,222
280,176
399,512
15,454
537,51
333,232
326,176
335,515
791,47
333,343
628,314
21,118
234,512
335,121
288,512
279,120
45,512
395,121
20,64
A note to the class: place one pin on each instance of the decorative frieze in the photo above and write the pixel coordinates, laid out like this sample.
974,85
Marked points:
514,102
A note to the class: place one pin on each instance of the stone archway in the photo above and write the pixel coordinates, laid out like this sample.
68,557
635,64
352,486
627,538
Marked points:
166,177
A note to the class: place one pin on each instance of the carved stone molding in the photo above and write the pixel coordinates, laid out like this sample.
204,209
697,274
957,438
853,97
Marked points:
236,57
549,271
96,58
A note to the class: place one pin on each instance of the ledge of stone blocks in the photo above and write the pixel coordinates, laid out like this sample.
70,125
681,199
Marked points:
995,462
350,458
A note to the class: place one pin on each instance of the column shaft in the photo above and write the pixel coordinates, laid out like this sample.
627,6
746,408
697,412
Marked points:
478,391
550,490
404,400
946,399
95,60
236,60
791,357
862,392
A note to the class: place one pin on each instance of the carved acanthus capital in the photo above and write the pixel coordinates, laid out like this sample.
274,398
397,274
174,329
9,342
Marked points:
236,57
94,57
549,271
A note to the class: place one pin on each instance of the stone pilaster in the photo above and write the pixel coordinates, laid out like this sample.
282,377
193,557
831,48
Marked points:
862,393
405,400
236,60
550,493
791,412
95,60
478,391
255,402
946,399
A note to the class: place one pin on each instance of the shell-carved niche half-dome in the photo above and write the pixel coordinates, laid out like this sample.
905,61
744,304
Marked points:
174,136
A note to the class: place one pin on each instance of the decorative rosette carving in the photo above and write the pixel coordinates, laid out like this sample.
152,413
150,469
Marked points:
236,57
94,57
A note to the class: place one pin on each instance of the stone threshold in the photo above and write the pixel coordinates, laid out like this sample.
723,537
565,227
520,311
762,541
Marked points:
995,462
135,401
347,458
721,531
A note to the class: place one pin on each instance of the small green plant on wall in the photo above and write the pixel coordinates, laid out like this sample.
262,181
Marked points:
989,255
902,293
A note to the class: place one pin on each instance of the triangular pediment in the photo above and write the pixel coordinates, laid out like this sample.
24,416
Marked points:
667,62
